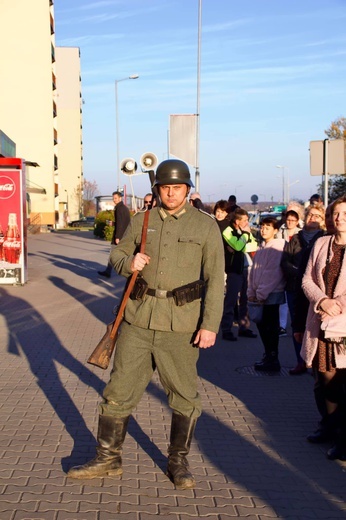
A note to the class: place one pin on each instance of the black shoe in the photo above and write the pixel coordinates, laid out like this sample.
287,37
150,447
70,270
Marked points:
229,336
268,364
282,332
264,358
320,435
246,333
104,273
337,453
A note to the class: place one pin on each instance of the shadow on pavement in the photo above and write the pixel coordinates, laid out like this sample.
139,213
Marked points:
270,469
280,463
30,335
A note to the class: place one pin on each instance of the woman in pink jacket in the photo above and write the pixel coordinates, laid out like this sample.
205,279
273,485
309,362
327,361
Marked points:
324,284
266,286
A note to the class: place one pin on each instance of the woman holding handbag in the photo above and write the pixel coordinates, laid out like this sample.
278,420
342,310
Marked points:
324,284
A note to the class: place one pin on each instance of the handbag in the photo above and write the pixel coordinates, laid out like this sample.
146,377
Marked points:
255,310
334,328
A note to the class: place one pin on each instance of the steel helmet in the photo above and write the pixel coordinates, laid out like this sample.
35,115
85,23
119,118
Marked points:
173,171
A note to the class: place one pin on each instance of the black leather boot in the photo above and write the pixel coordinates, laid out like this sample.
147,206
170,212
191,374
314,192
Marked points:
338,451
327,430
110,438
182,429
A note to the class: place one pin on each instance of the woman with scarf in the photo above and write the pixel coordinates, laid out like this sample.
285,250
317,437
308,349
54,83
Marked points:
294,260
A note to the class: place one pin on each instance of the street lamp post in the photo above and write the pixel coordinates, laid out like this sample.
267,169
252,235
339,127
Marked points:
134,76
197,180
288,188
283,182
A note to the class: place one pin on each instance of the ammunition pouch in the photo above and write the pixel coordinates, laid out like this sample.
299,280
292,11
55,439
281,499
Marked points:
181,295
188,293
140,289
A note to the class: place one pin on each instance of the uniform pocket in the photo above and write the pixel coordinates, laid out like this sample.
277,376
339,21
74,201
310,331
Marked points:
189,251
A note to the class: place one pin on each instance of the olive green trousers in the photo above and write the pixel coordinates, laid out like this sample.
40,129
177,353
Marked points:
138,352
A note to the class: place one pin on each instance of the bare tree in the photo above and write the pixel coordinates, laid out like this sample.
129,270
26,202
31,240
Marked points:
90,190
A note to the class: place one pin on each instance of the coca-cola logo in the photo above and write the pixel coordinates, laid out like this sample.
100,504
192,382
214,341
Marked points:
7,187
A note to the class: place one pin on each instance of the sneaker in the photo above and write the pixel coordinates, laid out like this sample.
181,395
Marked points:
104,273
247,333
229,336
282,332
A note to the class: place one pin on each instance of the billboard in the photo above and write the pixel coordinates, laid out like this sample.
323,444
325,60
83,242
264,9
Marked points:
13,226
182,137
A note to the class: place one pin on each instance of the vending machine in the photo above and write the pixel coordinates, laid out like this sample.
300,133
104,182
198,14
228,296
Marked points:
13,222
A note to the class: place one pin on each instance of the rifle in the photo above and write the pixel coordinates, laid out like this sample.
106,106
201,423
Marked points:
102,354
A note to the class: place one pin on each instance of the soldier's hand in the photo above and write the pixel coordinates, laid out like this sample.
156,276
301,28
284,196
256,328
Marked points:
140,260
205,338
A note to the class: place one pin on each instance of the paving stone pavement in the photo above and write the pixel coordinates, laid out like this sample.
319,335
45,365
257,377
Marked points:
250,456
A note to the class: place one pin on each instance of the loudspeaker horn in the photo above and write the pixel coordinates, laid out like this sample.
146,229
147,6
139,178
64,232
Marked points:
128,166
148,161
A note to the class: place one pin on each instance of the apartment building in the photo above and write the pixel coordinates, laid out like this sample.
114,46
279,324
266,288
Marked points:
69,105
29,113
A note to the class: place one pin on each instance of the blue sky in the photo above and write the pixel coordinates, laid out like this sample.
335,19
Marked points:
273,77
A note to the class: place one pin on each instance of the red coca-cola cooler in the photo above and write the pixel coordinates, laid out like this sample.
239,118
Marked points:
13,222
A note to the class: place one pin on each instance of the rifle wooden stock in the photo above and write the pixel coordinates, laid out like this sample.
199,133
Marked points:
102,354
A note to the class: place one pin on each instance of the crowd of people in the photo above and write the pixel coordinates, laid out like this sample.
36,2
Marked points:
298,263
201,272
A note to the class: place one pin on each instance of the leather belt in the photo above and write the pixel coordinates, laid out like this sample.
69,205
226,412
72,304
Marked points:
159,293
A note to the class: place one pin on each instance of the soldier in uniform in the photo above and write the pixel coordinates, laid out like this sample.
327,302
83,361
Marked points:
175,310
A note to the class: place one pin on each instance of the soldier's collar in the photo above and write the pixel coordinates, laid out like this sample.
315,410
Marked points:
165,214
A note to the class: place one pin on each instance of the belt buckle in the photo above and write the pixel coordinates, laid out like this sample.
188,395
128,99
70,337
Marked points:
160,293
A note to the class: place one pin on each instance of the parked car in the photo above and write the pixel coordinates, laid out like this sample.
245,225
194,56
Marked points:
83,222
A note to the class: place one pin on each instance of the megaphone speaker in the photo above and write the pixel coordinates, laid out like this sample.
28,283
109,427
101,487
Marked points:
148,161
128,166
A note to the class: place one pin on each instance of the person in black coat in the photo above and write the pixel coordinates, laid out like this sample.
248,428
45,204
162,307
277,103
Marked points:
294,261
121,221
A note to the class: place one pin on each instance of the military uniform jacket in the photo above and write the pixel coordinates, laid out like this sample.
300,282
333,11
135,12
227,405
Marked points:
183,248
